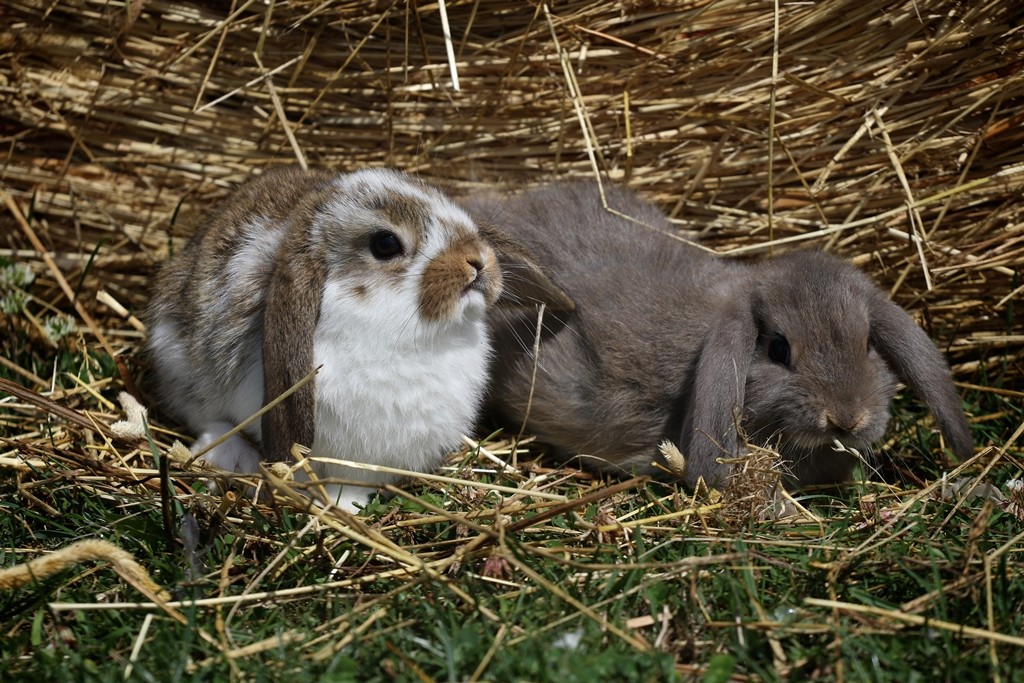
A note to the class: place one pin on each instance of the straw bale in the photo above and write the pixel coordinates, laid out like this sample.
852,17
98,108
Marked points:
877,119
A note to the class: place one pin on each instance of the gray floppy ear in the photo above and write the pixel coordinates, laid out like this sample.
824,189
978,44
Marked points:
291,312
915,360
715,396
524,281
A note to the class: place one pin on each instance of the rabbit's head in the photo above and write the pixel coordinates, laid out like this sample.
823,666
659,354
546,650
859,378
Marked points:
399,254
807,353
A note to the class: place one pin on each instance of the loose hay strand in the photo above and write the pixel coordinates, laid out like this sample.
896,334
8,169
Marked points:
124,563
917,619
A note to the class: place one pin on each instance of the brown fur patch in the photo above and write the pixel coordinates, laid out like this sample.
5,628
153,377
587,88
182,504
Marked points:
468,262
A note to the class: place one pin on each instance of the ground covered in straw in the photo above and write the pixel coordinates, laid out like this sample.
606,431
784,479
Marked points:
888,131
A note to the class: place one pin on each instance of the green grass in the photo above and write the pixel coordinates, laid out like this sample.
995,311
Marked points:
714,596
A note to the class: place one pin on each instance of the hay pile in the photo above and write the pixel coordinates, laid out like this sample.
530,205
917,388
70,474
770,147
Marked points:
887,130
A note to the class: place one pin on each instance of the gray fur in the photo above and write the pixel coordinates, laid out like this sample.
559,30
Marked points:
670,342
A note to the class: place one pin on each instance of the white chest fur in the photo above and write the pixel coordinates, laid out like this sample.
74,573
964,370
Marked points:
391,390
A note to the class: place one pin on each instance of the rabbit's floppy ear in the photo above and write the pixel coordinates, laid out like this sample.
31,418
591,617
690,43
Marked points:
716,393
916,361
291,312
524,281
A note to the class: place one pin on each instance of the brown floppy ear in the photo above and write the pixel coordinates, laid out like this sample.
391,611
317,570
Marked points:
715,396
915,360
291,311
524,281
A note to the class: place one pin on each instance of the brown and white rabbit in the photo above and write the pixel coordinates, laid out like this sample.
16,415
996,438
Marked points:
373,275
671,342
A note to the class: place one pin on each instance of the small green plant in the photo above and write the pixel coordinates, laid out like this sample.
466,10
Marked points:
58,326
15,278
18,275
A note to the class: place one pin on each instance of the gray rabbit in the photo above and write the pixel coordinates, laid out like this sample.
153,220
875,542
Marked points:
669,342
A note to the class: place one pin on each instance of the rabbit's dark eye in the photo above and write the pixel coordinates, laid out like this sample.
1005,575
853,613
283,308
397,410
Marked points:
385,245
778,350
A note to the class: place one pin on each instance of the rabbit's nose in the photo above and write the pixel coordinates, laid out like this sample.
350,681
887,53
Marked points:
476,263
848,421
